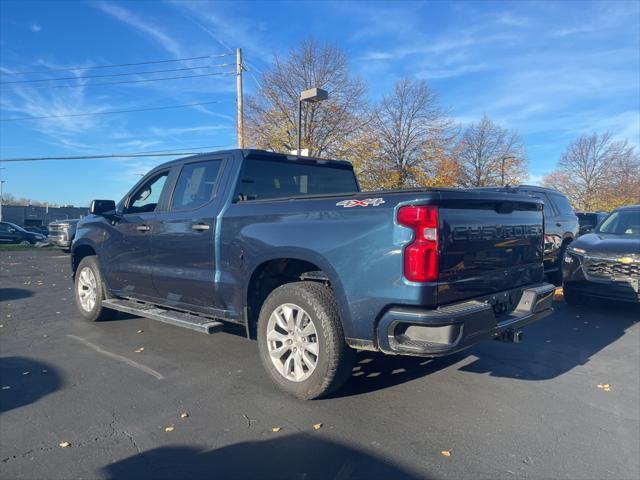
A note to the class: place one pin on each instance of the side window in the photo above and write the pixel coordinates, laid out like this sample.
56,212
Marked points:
146,198
4,228
196,185
562,204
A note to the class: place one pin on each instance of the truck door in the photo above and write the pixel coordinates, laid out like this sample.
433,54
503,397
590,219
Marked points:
184,237
127,245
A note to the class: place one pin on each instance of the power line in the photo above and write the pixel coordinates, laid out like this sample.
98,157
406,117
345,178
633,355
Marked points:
115,74
110,112
153,153
135,81
117,65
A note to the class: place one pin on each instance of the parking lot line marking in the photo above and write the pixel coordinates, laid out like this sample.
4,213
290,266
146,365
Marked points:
115,356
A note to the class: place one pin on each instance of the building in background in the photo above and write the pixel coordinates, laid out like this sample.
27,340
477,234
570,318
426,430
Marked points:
32,216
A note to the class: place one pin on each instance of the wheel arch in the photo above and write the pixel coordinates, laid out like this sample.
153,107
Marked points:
80,251
278,269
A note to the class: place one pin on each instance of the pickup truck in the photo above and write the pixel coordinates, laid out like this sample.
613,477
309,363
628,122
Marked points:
314,269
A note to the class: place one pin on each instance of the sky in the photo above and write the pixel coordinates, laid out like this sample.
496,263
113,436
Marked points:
551,70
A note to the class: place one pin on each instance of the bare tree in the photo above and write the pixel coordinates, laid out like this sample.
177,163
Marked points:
597,172
489,154
411,137
327,126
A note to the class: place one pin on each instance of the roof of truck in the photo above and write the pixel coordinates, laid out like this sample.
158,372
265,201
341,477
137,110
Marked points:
252,152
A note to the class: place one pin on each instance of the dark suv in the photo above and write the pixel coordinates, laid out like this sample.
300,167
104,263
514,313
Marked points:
560,225
12,233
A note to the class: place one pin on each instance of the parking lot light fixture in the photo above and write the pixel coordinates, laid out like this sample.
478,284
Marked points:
311,95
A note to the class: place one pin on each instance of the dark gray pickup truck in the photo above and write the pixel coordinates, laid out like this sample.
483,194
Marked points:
313,269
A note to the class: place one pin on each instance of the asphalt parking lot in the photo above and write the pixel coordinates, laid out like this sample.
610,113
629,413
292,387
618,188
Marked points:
532,410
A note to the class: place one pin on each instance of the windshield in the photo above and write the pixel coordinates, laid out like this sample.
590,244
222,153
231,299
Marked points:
13,225
622,222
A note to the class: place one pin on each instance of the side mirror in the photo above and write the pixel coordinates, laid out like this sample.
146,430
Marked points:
101,207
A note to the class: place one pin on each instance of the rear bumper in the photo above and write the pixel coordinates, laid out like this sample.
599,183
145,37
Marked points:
446,330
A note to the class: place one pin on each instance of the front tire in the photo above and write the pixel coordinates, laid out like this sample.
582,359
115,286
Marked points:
89,290
301,341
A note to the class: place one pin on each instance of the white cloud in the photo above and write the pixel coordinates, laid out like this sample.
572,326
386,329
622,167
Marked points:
35,27
143,26
225,26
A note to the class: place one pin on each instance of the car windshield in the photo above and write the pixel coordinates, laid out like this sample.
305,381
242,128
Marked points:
13,225
622,222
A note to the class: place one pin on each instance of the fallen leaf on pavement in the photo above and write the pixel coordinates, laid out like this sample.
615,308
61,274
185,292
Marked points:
184,415
447,453
604,385
64,444
26,373
276,429
6,387
169,428
317,426
140,331
44,370
139,350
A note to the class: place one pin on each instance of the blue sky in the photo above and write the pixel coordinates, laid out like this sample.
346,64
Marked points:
551,70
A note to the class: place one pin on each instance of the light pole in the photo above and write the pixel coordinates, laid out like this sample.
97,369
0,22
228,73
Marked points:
1,197
311,95
504,157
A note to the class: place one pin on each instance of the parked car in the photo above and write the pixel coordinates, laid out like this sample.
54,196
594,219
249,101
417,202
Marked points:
62,232
10,233
313,269
33,229
606,263
560,225
589,220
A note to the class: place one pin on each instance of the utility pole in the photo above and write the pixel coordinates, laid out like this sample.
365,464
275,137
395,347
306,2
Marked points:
239,106
1,199
1,192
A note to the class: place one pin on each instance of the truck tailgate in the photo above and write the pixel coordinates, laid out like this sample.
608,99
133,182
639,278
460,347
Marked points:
488,243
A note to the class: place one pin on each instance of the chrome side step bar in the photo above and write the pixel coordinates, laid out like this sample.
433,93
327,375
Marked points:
172,317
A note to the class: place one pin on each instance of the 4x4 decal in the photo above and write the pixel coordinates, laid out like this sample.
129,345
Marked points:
360,203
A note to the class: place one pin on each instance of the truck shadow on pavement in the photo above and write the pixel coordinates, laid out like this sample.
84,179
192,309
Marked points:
7,294
566,339
27,380
569,337
292,456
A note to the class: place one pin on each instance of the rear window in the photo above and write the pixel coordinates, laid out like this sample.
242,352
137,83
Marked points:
262,179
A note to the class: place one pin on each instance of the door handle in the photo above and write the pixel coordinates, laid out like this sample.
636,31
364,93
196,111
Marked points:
200,227
143,228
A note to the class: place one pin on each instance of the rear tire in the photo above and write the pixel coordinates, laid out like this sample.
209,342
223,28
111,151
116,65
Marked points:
301,341
89,291
572,298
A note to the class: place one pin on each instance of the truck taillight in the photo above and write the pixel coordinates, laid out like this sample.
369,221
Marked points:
421,255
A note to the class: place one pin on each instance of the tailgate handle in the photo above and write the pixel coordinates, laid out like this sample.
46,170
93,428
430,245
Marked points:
200,227
143,228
